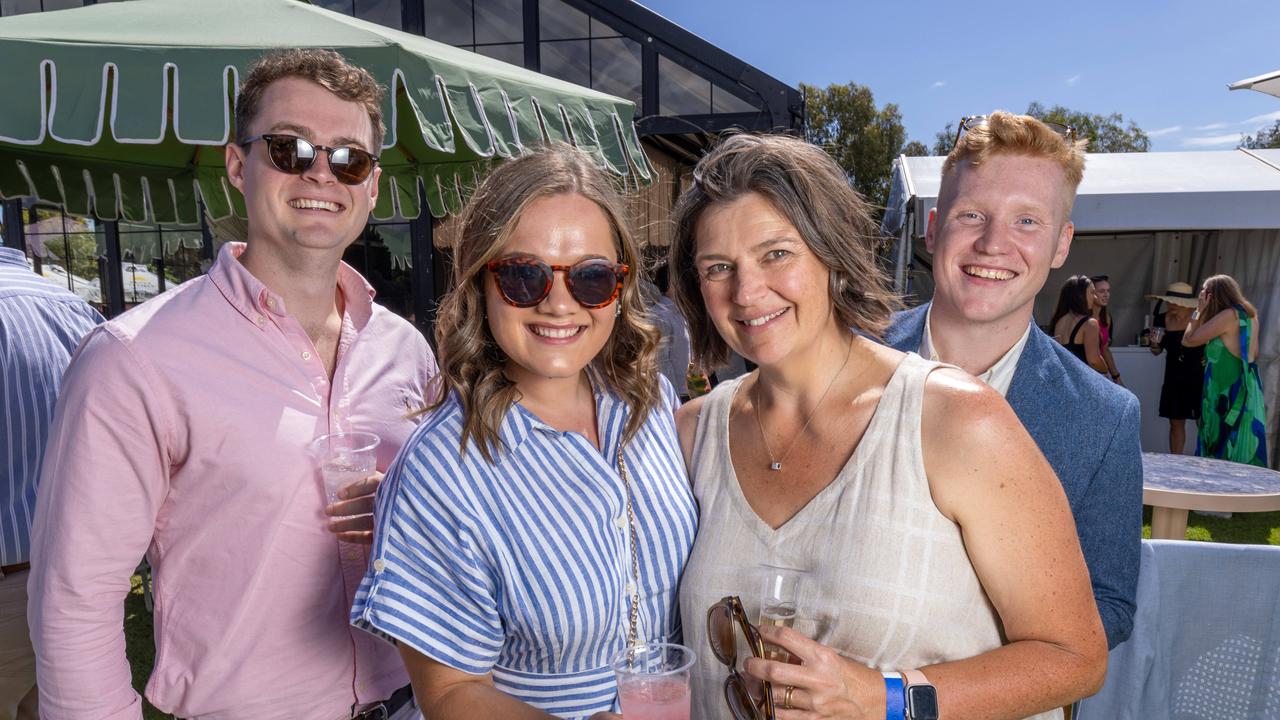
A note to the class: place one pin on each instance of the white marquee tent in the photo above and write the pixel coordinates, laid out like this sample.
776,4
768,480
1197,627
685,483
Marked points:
1146,220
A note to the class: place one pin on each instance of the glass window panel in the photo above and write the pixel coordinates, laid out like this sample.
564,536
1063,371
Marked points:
568,60
66,250
499,21
600,30
558,21
449,21
383,12
62,4
346,7
615,67
681,91
510,53
181,254
380,255
18,7
723,101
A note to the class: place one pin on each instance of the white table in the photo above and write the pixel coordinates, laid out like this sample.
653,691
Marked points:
1174,484
1143,374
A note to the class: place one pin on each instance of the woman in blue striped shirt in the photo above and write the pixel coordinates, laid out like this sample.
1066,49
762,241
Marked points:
539,519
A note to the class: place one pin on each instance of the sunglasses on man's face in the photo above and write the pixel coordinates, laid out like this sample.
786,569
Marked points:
525,281
293,155
748,699
969,122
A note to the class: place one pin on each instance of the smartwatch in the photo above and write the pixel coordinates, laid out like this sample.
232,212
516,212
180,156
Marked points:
922,698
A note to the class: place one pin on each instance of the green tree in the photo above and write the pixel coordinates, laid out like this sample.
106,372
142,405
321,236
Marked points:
915,148
1267,138
863,139
943,140
1105,133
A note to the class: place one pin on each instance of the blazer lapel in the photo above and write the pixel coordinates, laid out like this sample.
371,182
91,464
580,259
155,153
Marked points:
906,330
1030,391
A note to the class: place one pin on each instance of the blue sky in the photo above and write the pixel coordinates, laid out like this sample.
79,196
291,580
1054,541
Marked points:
1164,64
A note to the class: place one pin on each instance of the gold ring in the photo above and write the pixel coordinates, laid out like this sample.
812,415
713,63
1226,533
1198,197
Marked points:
786,699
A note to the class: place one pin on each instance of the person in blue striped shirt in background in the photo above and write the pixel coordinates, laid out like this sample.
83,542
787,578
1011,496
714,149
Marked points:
538,520
40,327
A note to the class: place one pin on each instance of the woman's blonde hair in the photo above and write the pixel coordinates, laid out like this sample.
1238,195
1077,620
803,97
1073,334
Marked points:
471,361
805,185
1225,292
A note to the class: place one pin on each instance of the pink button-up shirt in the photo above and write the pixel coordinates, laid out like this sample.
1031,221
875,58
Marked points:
182,432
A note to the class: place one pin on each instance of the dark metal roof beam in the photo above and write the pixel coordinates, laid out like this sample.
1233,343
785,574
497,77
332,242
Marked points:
784,103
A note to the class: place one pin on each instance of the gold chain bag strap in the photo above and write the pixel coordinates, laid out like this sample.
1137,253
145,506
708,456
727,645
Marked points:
635,555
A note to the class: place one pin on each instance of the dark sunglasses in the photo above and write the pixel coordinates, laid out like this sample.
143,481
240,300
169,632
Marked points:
294,155
526,281
969,122
747,698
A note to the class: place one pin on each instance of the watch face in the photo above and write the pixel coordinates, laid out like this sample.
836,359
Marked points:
922,702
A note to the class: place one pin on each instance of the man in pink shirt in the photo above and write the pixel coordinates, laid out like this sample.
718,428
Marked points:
183,428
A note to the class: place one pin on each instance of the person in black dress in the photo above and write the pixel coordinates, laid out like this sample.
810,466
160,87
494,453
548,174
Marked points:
1073,324
1184,366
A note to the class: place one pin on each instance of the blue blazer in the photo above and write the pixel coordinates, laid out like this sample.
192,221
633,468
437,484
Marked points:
1088,429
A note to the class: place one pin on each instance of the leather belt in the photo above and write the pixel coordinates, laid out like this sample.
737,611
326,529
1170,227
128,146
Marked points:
14,568
388,707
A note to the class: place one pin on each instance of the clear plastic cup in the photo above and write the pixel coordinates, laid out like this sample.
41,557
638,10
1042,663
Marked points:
653,681
344,458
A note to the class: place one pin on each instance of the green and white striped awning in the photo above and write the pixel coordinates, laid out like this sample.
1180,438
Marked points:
120,110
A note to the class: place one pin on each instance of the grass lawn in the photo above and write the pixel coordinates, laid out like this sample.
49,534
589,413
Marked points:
1242,528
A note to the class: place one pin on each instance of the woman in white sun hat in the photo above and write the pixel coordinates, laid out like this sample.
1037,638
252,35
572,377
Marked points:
1183,366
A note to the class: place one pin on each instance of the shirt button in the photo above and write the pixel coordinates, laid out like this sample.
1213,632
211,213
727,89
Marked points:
631,589
271,303
620,522
262,320
306,355
378,565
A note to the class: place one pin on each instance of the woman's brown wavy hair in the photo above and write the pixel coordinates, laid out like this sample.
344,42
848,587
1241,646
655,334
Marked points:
471,362
1225,293
804,184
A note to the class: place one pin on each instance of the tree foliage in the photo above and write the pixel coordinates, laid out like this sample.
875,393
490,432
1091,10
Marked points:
1105,133
944,140
863,139
1267,138
915,148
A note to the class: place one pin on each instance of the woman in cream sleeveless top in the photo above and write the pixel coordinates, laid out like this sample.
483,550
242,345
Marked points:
933,535
885,612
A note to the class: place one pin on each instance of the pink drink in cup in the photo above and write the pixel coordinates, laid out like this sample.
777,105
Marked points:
653,681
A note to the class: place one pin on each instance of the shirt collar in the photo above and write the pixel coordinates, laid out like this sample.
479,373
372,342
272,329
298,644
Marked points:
519,423
1000,375
13,256
253,299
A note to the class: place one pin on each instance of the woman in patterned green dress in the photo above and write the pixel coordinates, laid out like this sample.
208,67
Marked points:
1233,419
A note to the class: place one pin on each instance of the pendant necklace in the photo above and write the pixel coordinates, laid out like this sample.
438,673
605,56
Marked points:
776,465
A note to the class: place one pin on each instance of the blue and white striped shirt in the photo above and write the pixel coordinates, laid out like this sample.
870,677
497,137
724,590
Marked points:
522,568
40,326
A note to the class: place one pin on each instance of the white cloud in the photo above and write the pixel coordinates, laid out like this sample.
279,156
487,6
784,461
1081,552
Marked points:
1212,140
1212,126
1164,131
938,83
1263,119
1071,81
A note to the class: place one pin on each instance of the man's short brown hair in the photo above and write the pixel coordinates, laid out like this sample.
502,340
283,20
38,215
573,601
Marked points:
1004,133
325,68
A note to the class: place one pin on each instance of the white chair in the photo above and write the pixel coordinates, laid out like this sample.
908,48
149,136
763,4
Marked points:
1206,637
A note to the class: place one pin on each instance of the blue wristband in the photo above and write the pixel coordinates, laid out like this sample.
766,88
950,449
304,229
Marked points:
895,698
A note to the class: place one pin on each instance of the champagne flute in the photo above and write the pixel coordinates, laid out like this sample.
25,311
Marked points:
779,593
